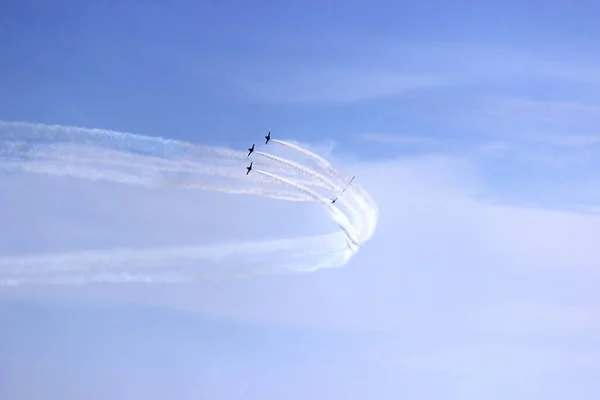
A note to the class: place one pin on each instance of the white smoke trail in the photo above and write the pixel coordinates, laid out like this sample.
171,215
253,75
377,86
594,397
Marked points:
304,170
151,178
175,264
93,154
315,157
70,154
357,193
169,149
339,218
87,162
337,189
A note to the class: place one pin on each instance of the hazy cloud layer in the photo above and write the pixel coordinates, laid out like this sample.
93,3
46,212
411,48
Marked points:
460,289
474,127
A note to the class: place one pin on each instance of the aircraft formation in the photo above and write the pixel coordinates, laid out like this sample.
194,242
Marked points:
268,137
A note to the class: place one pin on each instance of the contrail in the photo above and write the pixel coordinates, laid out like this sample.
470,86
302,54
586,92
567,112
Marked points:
342,222
315,157
304,170
129,142
154,163
280,195
320,160
337,189
150,178
361,196
71,153
83,161
176,264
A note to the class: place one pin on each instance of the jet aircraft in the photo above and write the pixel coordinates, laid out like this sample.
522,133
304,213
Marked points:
250,150
249,169
348,184
268,137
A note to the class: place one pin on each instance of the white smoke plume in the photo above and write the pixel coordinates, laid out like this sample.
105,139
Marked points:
152,162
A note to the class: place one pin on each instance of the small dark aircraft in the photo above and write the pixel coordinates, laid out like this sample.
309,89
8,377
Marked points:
268,137
249,169
250,150
334,200
348,184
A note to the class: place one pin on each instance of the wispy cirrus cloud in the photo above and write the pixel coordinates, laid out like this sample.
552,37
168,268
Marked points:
563,140
384,69
520,108
400,139
295,84
498,124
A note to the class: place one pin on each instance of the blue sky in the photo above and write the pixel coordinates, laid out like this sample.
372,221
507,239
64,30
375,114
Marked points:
474,126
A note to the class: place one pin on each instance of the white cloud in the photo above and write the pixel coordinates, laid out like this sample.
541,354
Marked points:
369,68
436,249
396,138
564,140
545,111
303,84
458,286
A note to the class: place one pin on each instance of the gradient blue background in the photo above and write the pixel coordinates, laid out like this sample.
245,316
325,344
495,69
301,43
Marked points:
474,124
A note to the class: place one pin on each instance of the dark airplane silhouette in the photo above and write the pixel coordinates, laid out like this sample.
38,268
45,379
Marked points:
268,137
348,184
250,150
334,200
249,169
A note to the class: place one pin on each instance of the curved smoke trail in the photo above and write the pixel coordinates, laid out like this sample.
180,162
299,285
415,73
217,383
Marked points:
319,181
361,198
95,154
334,213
